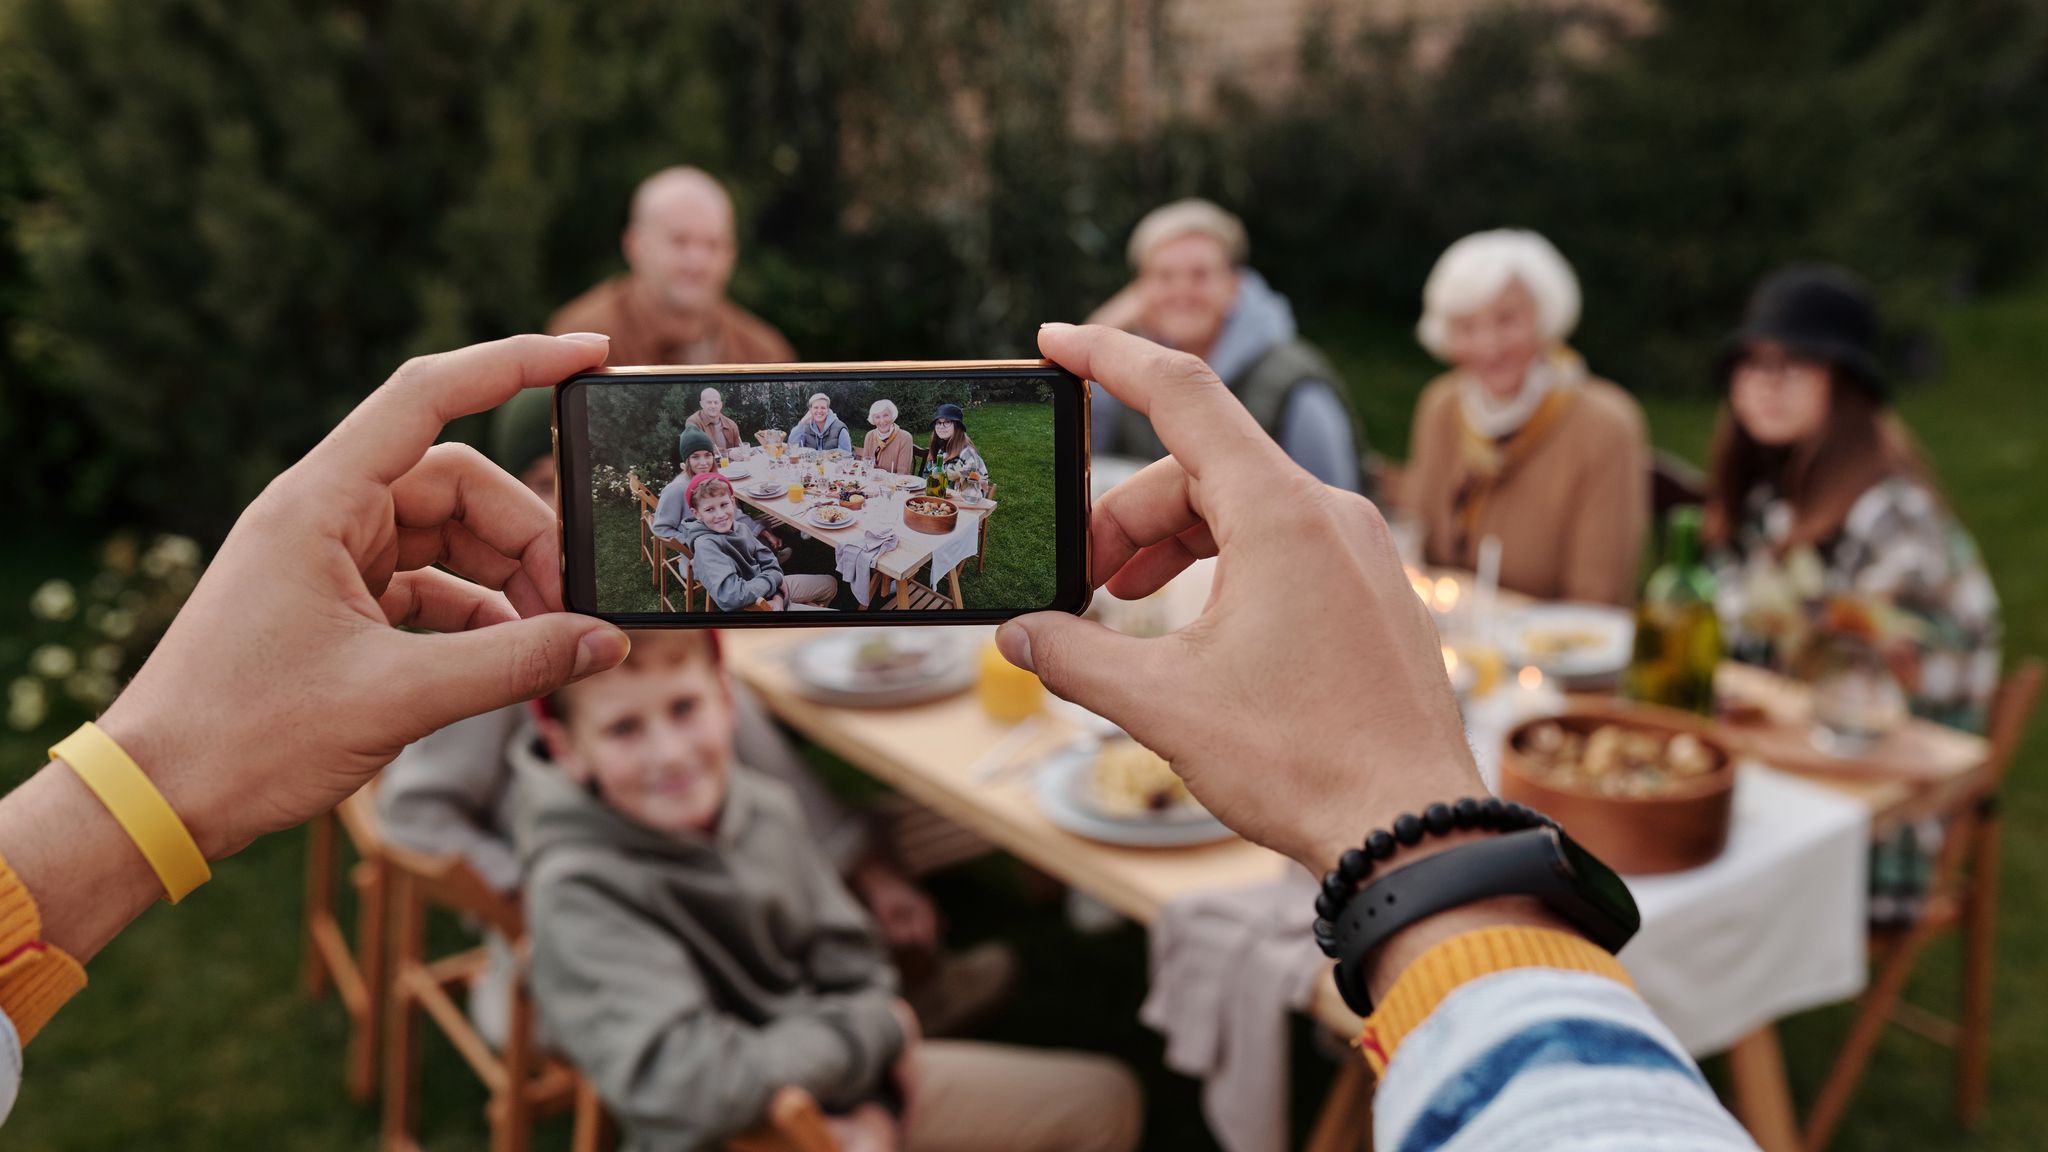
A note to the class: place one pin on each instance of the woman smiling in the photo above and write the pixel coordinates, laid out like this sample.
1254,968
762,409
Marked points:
1518,441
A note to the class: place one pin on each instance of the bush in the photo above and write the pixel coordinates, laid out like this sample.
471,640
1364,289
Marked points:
229,223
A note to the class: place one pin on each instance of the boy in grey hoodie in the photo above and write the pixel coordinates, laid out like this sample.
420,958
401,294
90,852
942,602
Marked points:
694,951
737,568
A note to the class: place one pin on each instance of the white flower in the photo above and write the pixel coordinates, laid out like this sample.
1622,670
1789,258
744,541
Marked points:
27,704
53,662
117,625
54,600
92,689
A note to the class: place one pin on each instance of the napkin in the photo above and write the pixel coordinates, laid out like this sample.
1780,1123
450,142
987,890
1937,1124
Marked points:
1229,968
856,560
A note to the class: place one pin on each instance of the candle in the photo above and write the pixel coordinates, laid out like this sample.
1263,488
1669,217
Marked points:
1446,594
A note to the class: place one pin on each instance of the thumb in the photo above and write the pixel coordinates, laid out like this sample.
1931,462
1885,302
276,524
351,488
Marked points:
488,668
1102,670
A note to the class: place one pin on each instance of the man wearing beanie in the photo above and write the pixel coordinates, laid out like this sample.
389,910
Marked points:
670,306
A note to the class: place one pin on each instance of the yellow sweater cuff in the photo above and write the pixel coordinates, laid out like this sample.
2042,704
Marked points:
36,978
1463,959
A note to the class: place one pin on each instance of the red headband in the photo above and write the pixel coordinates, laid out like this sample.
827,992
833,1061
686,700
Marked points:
690,490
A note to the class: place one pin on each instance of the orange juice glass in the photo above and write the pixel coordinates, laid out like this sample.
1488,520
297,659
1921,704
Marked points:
796,493
1007,691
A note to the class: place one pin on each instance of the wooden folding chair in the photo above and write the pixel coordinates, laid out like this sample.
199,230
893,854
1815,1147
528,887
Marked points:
1962,896
525,1084
357,974
666,556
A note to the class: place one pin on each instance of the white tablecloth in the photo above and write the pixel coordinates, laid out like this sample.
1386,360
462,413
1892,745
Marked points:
1773,926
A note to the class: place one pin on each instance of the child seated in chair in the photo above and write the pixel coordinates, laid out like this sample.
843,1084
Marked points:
738,569
672,510
694,951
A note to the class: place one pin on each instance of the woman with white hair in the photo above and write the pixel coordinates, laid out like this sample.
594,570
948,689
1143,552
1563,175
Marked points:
1193,292
889,447
1517,441
820,430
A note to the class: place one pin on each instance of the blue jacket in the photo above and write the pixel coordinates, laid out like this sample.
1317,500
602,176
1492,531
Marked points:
834,435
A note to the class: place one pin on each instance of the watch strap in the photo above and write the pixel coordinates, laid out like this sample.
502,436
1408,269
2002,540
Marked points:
1526,863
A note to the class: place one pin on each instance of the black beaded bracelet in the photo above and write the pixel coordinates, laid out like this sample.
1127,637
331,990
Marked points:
1342,882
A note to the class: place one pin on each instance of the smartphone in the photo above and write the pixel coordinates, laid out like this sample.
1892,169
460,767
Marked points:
943,492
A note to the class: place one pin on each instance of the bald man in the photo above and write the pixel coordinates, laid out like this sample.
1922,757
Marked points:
670,307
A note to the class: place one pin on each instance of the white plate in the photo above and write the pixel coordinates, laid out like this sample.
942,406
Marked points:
737,471
909,482
828,670
811,517
1610,635
1062,788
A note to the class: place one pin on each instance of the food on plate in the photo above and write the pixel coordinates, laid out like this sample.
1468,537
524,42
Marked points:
832,515
1615,760
856,501
885,657
1542,644
1131,780
928,507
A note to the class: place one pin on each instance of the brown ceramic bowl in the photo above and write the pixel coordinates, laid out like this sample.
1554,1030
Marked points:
937,523
1680,827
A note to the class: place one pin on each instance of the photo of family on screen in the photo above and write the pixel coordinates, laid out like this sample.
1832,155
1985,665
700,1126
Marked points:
909,494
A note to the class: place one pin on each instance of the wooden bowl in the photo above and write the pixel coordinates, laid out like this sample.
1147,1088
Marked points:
1680,827
936,523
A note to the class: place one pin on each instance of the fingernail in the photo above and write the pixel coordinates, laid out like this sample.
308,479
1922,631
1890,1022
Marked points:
1054,324
586,337
1015,645
599,649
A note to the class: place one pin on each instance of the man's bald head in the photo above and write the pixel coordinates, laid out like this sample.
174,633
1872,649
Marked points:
680,239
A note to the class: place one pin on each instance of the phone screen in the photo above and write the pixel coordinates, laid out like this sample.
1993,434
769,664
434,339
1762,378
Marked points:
843,494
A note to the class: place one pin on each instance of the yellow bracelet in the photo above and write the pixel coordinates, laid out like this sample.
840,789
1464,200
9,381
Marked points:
137,806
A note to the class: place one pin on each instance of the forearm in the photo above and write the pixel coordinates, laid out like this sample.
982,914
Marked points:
87,878
1542,1058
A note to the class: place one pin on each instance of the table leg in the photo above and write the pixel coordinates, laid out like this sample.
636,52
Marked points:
953,585
1763,1098
874,588
903,593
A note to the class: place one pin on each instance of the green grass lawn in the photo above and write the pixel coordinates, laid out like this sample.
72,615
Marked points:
194,1035
1015,440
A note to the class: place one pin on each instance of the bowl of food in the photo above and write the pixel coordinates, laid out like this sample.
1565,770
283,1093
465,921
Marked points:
1646,789
933,514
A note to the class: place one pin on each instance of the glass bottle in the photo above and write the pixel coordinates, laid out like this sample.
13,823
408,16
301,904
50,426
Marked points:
1678,633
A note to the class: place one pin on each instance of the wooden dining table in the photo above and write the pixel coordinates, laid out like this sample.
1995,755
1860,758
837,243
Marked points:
882,510
933,753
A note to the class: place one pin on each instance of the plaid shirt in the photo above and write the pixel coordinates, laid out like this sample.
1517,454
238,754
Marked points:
1898,545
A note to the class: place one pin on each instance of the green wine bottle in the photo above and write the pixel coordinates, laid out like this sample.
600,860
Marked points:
1678,634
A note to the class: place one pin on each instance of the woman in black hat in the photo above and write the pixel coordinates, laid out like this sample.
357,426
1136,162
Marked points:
1819,495
951,444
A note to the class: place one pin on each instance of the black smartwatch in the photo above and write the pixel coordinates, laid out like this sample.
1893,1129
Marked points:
1541,862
